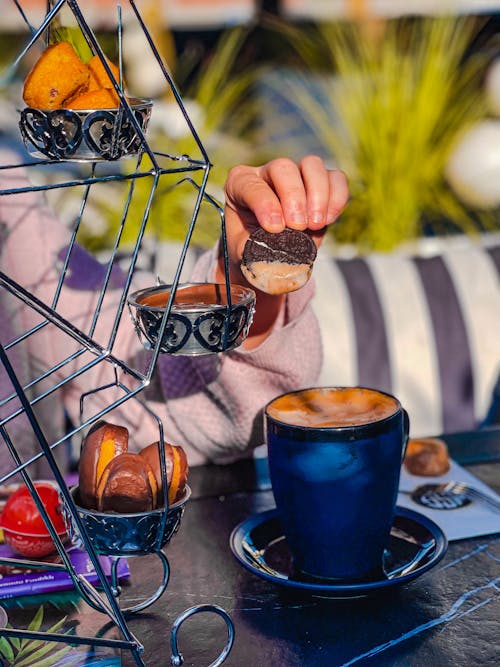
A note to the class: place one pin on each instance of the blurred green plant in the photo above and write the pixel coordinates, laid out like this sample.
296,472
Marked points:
216,91
219,96
17,652
387,108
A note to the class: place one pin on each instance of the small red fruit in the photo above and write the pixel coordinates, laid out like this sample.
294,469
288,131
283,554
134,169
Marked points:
23,526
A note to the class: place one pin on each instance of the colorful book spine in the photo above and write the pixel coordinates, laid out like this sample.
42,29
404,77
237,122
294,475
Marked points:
43,581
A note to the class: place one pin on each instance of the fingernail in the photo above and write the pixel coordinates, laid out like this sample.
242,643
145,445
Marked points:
331,216
317,218
276,221
298,218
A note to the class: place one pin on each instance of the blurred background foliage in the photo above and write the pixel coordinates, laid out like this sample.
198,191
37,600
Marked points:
217,96
384,100
387,104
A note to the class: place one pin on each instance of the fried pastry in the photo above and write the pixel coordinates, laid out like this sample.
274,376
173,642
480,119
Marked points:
103,98
111,479
127,486
98,77
58,75
103,443
427,457
176,466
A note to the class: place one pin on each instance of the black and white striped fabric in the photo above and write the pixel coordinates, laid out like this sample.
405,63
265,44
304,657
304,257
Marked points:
424,326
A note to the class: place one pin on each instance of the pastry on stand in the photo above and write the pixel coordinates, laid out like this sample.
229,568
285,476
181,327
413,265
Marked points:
125,504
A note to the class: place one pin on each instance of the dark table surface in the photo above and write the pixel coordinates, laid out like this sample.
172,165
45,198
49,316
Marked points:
448,616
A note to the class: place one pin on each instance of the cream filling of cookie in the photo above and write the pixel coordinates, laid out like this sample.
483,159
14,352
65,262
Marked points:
277,277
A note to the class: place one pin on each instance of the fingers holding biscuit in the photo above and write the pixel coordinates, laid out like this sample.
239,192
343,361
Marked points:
283,193
304,196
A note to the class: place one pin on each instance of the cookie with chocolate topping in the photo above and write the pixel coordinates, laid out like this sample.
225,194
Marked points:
278,263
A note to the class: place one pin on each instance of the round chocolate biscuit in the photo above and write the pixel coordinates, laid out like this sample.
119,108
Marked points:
278,263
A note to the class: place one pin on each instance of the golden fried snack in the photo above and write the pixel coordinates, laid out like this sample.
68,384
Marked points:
98,76
103,98
427,457
56,76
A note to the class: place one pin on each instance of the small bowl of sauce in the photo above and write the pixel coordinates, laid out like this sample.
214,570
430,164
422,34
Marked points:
202,319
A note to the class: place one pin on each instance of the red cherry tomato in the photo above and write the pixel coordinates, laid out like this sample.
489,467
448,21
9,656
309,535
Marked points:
23,525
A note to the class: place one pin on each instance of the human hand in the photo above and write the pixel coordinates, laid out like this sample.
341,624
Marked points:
279,194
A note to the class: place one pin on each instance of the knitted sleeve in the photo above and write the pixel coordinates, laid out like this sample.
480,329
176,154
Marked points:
211,405
215,403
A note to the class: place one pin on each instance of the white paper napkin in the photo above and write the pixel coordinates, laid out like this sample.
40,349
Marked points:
471,520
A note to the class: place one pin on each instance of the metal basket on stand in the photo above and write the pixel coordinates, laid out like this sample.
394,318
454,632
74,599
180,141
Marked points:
69,137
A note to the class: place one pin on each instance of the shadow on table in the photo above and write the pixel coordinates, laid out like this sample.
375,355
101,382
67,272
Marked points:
298,630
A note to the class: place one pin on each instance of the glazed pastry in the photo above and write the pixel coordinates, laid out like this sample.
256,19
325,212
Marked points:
176,467
102,98
58,75
103,443
127,485
427,457
278,263
98,76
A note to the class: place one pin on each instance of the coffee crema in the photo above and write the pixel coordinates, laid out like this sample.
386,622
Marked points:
332,407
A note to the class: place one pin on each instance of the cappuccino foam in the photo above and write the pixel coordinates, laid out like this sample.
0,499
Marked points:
334,407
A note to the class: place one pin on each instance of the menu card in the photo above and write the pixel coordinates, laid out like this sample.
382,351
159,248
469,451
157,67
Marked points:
470,520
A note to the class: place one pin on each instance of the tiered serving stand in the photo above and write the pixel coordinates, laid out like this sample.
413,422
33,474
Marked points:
97,147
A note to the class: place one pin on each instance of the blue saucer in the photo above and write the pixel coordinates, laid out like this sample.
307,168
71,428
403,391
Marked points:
415,546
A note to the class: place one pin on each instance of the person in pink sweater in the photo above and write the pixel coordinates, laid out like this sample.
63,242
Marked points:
211,405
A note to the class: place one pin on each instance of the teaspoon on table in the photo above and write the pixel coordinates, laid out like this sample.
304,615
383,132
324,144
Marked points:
450,495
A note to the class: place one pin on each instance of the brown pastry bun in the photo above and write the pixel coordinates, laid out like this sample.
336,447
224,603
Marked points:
176,466
56,76
102,98
98,76
127,486
103,443
427,457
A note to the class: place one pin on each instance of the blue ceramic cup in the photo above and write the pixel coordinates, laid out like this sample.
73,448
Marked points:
335,458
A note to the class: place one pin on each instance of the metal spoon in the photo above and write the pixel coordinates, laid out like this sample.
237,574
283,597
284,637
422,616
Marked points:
424,548
451,495
257,555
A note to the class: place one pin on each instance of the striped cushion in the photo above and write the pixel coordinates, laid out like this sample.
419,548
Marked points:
423,326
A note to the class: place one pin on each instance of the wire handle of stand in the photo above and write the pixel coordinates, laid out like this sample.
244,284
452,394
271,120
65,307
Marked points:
177,660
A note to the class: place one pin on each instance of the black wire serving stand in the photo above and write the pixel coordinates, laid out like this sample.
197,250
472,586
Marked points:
98,147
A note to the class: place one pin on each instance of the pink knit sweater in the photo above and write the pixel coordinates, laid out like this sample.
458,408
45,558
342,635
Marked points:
211,405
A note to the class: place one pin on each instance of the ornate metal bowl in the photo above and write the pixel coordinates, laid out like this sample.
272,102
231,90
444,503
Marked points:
84,135
113,534
200,321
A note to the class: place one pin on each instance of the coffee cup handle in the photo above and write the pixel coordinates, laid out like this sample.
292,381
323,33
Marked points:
406,431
